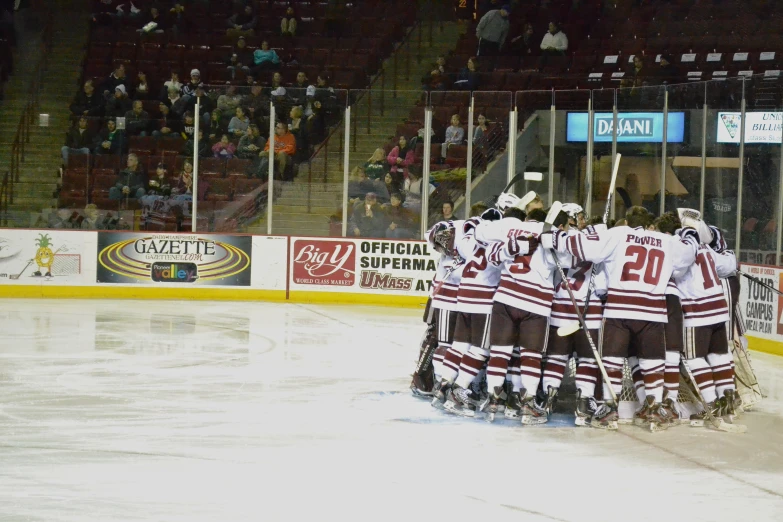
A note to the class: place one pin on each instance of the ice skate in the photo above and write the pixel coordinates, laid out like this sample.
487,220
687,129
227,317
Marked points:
658,418
422,384
697,420
479,395
711,418
605,417
585,409
640,417
530,412
513,405
671,409
494,403
551,395
460,402
730,412
440,394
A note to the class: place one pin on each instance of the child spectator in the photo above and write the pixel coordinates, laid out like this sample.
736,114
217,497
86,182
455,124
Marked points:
400,158
390,186
141,90
289,22
224,148
215,128
159,184
172,82
185,180
377,166
203,146
455,135
188,126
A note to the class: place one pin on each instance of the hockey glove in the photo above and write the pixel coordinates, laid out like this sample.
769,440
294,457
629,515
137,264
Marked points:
491,214
718,243
689,235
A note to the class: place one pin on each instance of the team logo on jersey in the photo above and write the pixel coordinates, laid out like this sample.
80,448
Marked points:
324,262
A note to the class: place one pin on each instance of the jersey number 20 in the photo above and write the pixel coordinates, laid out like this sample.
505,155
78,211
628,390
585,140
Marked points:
645,265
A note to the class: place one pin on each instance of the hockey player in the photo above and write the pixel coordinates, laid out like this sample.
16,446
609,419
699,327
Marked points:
639,264
559,349
521,308
705,313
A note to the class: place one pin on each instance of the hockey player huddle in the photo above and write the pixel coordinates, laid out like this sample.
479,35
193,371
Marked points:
520,290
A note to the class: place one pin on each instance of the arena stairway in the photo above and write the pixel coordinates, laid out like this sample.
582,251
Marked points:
38,177
304,208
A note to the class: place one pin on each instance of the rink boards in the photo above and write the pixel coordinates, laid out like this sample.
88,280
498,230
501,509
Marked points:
141,265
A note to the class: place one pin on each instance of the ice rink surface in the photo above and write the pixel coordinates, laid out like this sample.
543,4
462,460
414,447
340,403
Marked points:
202,411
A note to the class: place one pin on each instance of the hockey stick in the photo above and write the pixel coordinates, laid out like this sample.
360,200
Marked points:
760,282
553,212
17,276
565,331
716,422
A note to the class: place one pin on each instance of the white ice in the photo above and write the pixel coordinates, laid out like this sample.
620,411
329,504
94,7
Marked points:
202,411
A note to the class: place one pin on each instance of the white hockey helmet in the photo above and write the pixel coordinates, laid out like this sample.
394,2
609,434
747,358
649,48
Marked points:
572,209
506,200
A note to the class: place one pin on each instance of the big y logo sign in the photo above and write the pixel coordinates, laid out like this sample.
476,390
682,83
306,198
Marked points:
324,262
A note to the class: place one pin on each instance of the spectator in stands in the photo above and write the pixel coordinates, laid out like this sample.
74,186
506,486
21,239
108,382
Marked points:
169,125
481,130
188,126
555,41
316,123
326,95
137,120
228,102
119,104
239,123
401,221
281,101
256,106
377,167
285,149
91,215
455,135
390,186
110,140
207,104
251,143
492,31
265,59
481,144
159,183
224,148
131,181
203,146
412,189
468,77
298,90
368,217
177,103
289,22
524,45
78,140
141,90
298,128
447,211
172,83
154,16
88,102
242,23
667,72
241,57
117,77
216,127
189,89
359,185
438,78
185,180
400,158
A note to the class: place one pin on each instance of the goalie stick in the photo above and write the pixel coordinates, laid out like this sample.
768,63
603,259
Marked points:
760,282
565,331
716,422
550,218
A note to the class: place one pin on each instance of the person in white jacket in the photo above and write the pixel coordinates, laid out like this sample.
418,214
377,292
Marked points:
555,41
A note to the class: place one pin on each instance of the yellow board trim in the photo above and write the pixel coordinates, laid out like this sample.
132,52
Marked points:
204,293
765,345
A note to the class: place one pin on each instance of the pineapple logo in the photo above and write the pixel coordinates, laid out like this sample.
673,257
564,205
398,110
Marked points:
44,257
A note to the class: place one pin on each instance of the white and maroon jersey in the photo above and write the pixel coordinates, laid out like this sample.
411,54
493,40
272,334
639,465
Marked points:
448,271
639,264
480,278
672,288
525,279
703,302
578,274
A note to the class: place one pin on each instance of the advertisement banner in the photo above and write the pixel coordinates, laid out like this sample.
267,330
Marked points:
760,127
362,266
632,127
179,259
762,307
29,257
